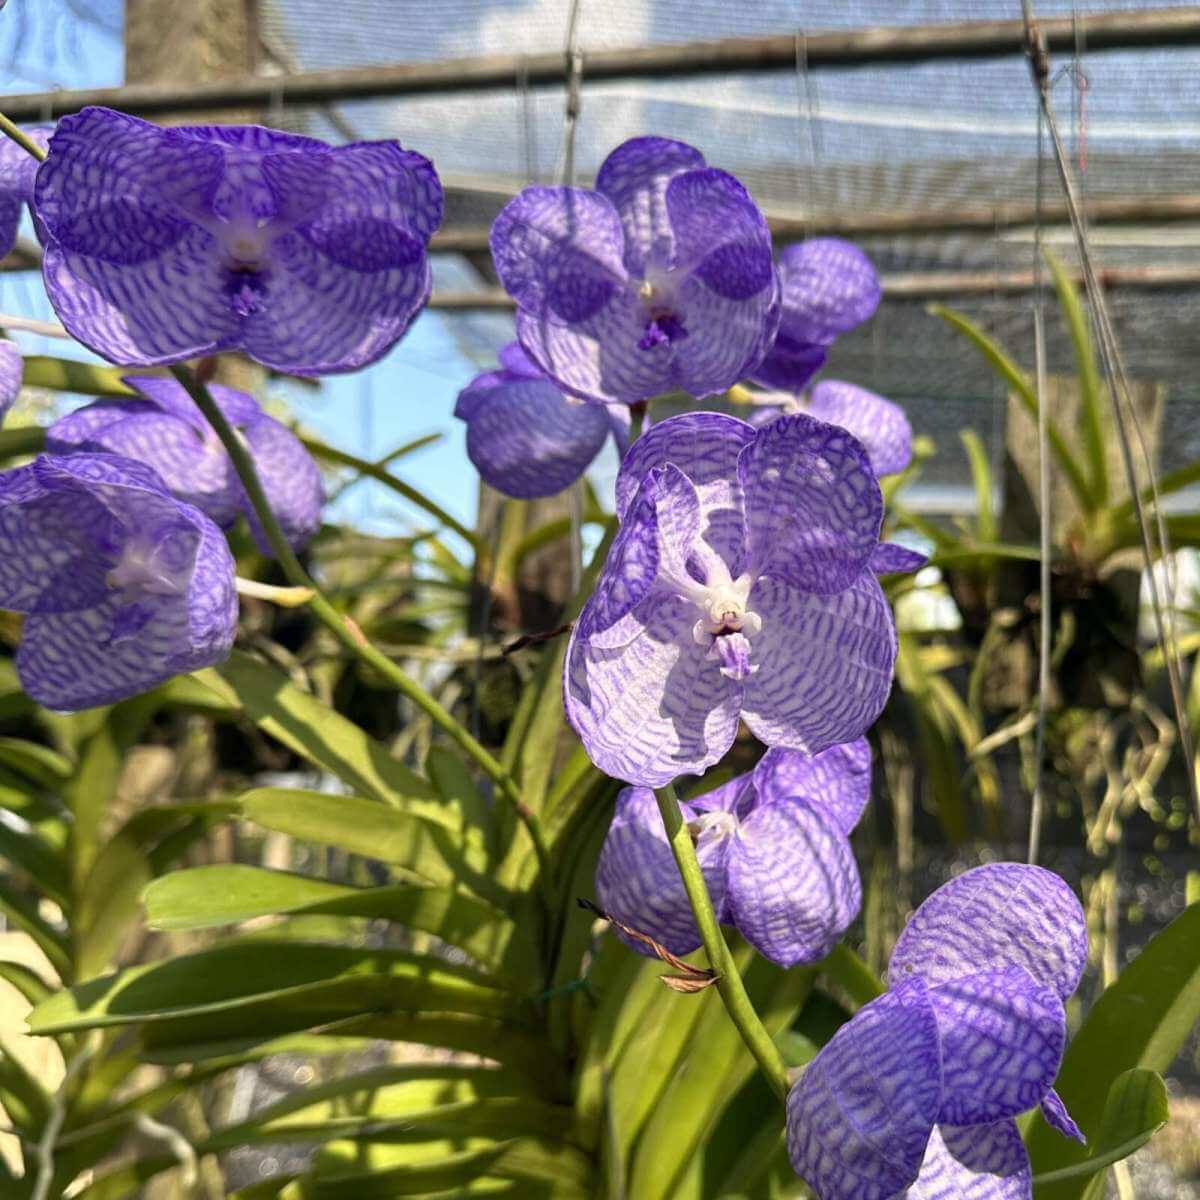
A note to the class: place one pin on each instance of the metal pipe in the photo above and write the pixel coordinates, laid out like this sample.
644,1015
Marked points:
1170,27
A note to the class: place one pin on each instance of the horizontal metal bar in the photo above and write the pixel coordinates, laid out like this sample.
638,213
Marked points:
1171,27
920,285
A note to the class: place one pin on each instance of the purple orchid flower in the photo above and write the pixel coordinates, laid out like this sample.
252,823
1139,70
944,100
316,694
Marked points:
659,279
774,847
12,367
17,170
740,584
124,585
165,430
167,243
828,288
881,426
527,439
915,1096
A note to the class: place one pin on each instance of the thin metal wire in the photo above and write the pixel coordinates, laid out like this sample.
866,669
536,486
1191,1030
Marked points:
570,123
1037,803
1120,395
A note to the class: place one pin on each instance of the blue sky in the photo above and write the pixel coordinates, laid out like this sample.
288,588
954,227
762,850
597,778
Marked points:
408,394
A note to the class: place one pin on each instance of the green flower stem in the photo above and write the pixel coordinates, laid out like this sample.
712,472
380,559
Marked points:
22,139
729,982
350,638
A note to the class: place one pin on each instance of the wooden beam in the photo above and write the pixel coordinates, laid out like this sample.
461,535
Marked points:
1166,27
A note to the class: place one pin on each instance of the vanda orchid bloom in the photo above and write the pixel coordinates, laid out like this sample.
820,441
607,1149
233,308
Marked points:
123,585
660,279
741,585
163,244
914,1097
524,437
774,847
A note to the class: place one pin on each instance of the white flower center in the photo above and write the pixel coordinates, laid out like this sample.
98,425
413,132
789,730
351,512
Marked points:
245,242
711,826
141,572
723,602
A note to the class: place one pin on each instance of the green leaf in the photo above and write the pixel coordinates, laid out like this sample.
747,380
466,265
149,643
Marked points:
431,1100
316,983
205,897
315,732
1136,1109
415,842
25,916
107,905
543,1169
1020,383
1090,387
26,980
1141,1020
39,764
981,474
455,785
22,846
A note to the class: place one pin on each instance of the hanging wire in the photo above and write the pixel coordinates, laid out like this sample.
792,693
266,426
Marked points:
1045,633
1120,396
574,58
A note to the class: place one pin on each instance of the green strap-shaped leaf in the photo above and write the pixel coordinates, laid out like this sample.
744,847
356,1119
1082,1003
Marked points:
1019,382
416,842
981,475
1136,1109
206,897
314,731
1141,1020
39,764
1091,390
26,917
318,983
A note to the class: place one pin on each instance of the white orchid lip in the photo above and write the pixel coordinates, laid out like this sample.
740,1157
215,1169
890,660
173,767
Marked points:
724,605
710,826
140,573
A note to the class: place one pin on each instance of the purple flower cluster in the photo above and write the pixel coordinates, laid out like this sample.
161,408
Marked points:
17,172
919,1090
774,847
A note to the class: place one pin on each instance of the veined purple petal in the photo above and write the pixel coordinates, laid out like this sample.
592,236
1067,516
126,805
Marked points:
721,236
635,178
813,505
1055,1114
337,304
12,367
1002,1038
980,1162
599,358
889,558
880,425
860,1117
629,571
192,466
638,882
793,886
290,478
514,360
558,253
836,782
834,689
17,171
654,708
524,437
829,287
995,916
705,447
790,365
